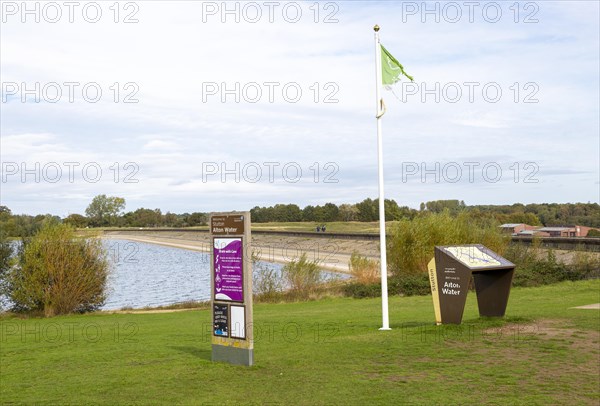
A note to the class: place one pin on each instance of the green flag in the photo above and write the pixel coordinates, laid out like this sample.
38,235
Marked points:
391,69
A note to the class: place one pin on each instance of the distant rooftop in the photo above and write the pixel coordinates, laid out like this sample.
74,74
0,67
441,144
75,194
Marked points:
554,228
510,225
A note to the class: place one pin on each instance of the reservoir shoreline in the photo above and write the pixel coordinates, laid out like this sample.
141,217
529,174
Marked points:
331,254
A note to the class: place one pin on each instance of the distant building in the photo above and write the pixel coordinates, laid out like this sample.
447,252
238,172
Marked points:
531,233
516,228
566,231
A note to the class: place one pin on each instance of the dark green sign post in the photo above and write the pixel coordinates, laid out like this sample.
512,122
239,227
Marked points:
450,274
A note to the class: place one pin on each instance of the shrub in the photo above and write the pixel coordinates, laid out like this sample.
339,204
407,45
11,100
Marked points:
525,255
593,233
267,284
586,264
302,276
6,252
360,290
537,266
411,243
543,271
363,269
408,285
58,273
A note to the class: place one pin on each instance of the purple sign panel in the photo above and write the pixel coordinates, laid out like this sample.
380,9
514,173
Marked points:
229,276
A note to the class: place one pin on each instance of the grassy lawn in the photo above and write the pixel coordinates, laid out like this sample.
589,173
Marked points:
323,352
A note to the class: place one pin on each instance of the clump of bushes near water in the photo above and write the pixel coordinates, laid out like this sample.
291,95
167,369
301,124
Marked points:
300,279
54,272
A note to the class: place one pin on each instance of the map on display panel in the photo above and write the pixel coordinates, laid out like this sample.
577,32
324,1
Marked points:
477,256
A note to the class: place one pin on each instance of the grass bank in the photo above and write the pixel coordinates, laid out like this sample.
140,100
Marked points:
322,352
304,226
332,227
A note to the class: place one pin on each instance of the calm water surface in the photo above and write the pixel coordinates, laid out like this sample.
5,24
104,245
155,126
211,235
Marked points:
149,275
153,275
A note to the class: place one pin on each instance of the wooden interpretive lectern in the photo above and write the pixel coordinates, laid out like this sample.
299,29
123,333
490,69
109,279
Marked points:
450,273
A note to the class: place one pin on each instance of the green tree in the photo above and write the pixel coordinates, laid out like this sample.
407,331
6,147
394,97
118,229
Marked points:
326,213
407,213
5,213
172,220
104,210
308,213
331,212
258,214
593,233
23,225
286,213
7,223
368,210
58,273
76,220
197,219
438,206
411,243
520,218
302,276
5,263
145,218
348,212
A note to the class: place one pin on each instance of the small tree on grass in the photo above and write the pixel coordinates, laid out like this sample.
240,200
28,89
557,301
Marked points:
58,273
302,276
364,270
5,264
267,283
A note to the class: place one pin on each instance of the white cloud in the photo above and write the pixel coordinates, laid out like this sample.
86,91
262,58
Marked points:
171,56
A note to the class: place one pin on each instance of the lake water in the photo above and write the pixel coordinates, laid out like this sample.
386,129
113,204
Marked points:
152,275
149,275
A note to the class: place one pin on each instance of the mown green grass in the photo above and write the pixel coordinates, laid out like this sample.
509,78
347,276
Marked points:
322,352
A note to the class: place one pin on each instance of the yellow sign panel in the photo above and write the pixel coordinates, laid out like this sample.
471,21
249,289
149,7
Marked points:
435,294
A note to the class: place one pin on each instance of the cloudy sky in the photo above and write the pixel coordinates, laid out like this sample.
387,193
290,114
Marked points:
210,106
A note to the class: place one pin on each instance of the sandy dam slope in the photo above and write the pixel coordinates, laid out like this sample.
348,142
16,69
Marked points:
332,253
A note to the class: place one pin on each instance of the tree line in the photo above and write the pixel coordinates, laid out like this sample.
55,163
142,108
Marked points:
103,211
109,211
367,210
543,214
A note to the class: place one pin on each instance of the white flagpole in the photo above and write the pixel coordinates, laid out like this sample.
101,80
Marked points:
382,242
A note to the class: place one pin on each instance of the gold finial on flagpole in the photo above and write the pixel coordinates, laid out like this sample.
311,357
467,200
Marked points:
376,28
